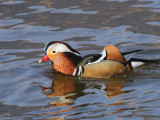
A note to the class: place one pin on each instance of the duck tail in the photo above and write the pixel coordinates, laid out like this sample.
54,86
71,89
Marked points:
133,62
136,62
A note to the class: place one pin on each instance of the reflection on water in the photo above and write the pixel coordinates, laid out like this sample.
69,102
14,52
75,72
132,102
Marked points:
29,90
68,89
65,88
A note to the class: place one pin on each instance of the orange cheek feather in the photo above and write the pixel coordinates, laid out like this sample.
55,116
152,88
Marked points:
61,63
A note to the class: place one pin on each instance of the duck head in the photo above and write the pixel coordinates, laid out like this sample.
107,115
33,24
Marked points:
64,58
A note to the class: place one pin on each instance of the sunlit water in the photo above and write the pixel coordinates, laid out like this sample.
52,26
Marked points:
29,90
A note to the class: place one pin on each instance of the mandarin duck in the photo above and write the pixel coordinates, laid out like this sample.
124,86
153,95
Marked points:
68,61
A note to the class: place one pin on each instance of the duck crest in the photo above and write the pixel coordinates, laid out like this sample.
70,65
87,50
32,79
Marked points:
59,42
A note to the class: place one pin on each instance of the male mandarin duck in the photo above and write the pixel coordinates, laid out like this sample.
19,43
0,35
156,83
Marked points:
69,61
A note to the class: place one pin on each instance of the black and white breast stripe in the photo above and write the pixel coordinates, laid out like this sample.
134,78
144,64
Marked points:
78,71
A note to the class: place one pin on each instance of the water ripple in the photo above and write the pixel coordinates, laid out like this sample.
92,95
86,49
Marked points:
29,90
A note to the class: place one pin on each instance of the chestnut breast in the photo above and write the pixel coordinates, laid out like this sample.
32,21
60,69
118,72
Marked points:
65,62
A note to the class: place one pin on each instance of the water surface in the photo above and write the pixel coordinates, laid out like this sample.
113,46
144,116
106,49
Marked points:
29,90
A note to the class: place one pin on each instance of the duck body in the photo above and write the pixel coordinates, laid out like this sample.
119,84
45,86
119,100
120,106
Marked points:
68,61
106,68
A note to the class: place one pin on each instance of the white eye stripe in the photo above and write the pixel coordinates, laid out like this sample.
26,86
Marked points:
58,47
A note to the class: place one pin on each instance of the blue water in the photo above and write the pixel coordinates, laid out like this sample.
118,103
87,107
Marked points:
29,90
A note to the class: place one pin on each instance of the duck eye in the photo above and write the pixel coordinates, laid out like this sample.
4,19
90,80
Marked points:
53,51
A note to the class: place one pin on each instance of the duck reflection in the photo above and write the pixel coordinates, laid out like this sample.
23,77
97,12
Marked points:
65,88
114,90
114,87
68,88
111,86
